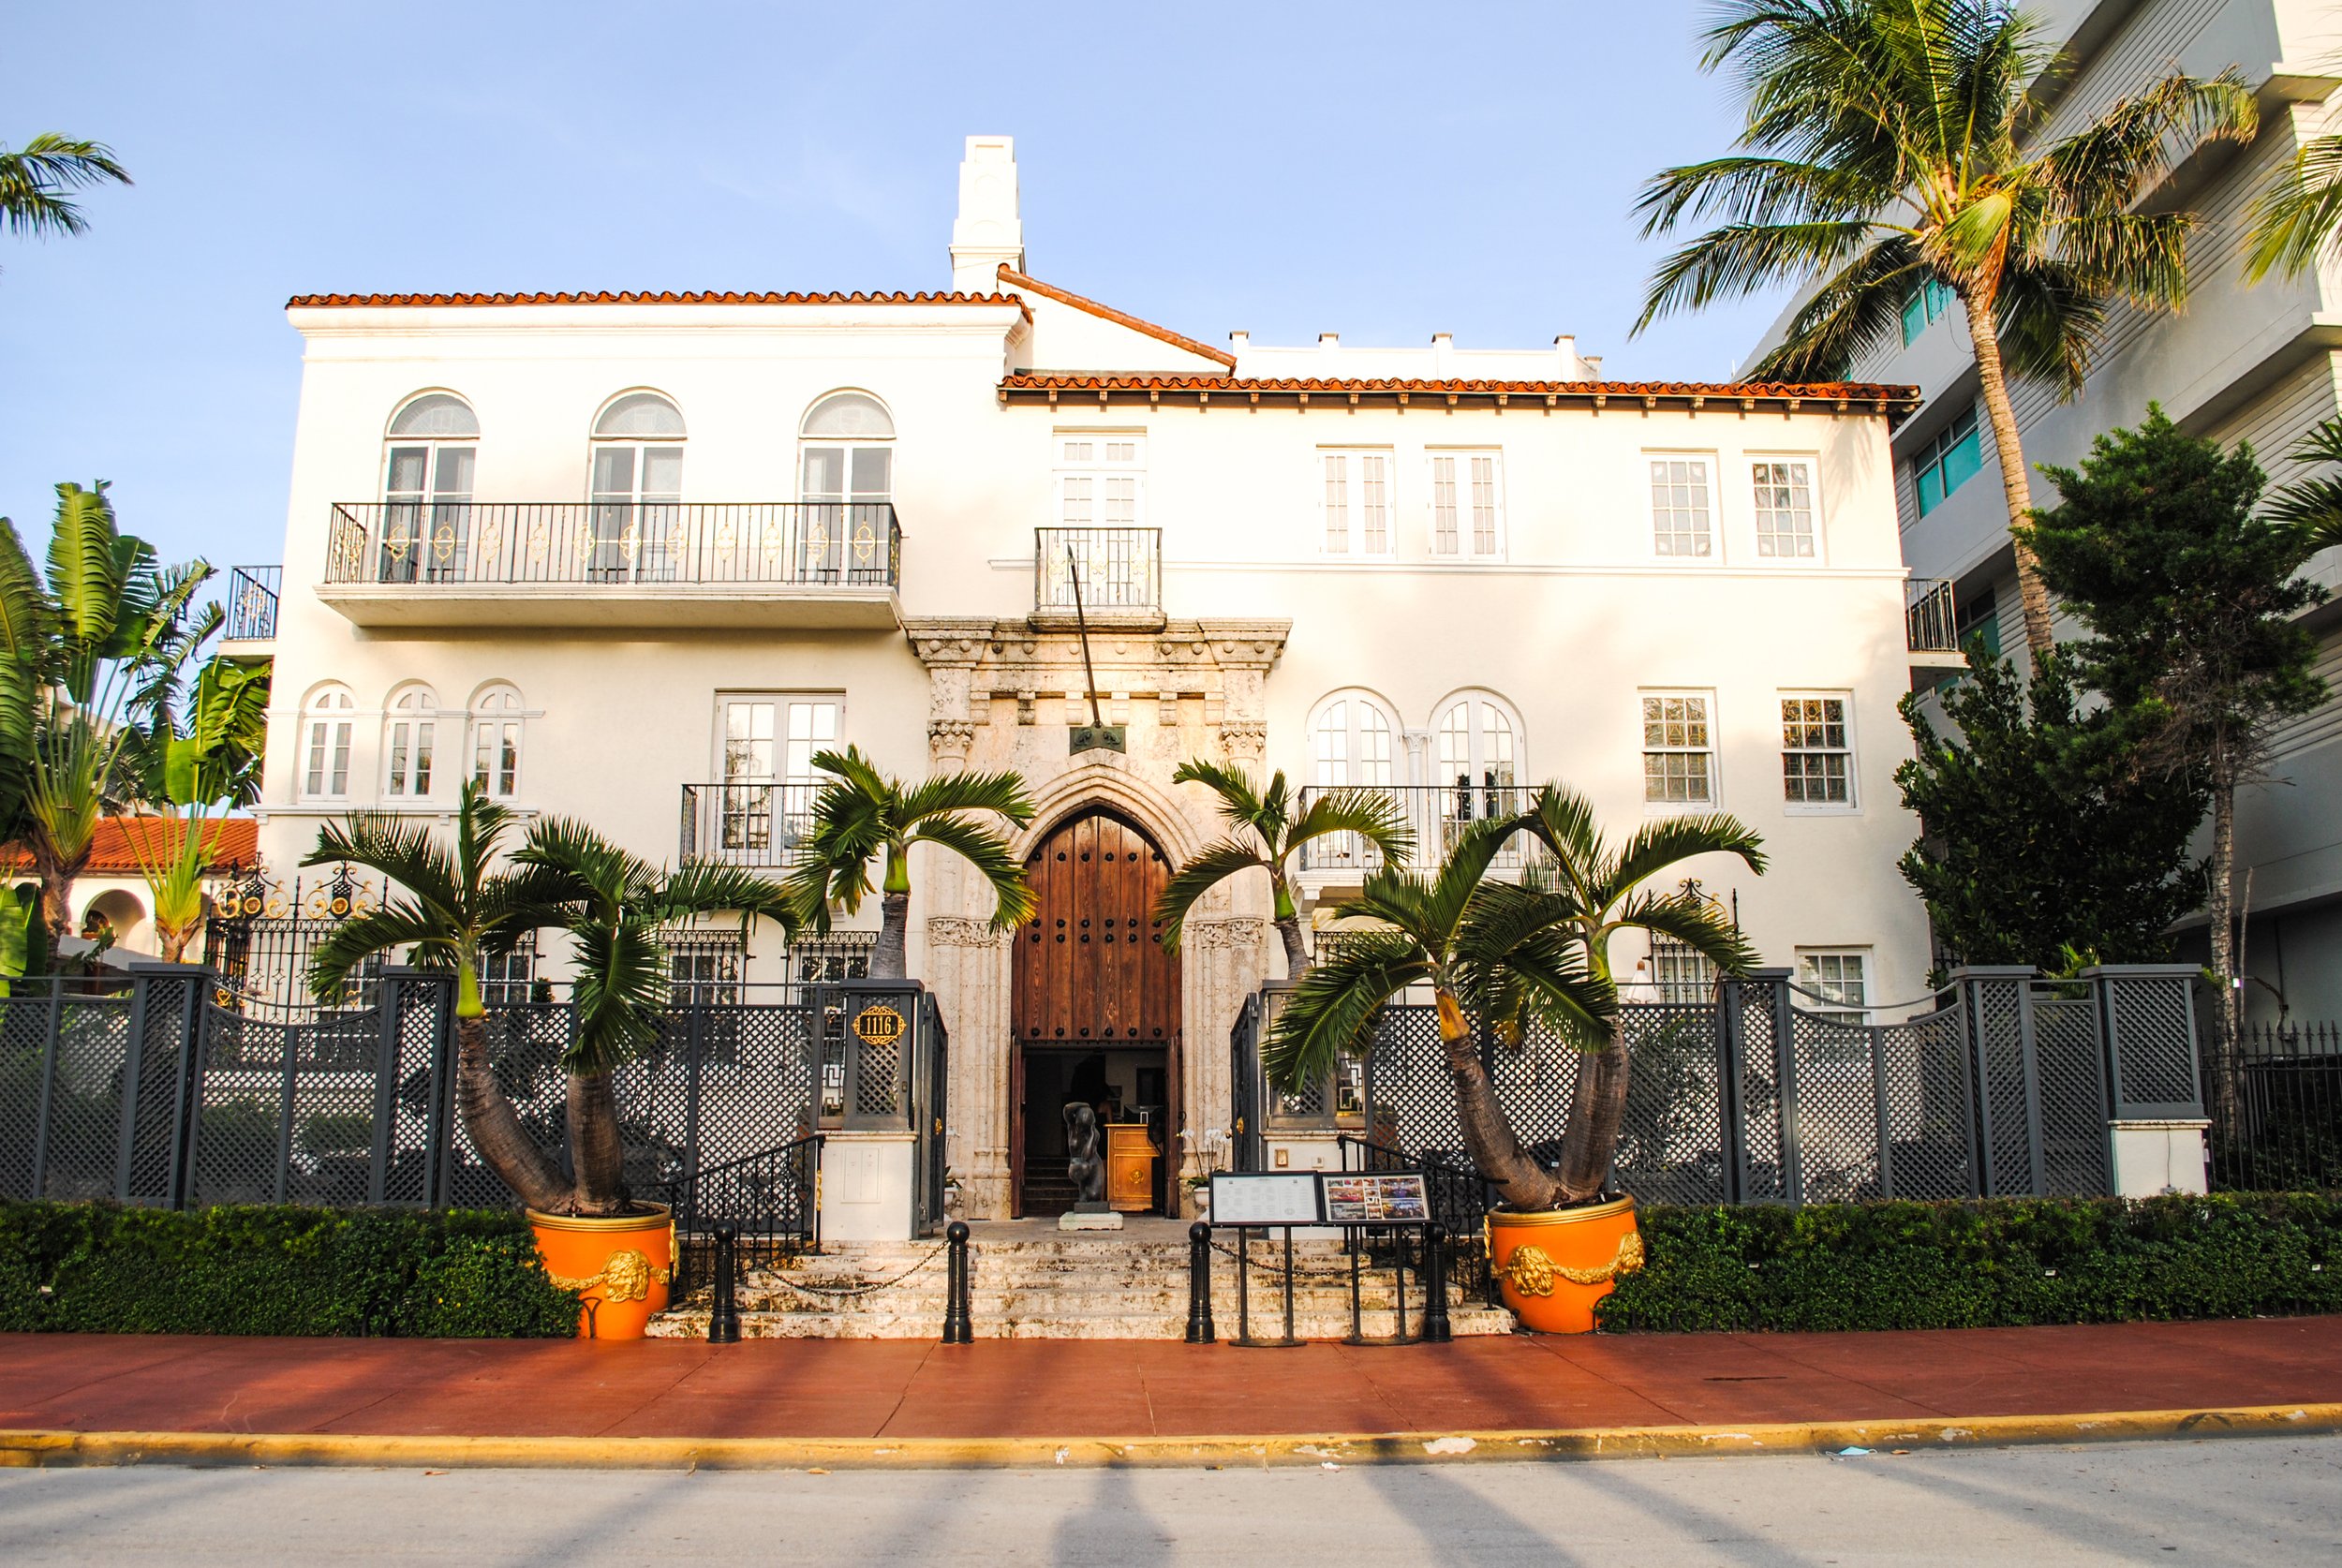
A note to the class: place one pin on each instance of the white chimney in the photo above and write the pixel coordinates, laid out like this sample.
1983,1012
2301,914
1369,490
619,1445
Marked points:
988,231
1442,354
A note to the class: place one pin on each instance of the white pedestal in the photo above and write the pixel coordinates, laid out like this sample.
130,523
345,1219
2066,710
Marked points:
1109,1221
866,1186
2152,1158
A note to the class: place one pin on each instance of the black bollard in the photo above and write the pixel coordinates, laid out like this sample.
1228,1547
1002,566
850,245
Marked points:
958,1328
1436,1329
723,1312
1199,1325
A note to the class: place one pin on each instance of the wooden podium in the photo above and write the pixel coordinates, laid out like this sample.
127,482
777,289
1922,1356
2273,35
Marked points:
1131,1157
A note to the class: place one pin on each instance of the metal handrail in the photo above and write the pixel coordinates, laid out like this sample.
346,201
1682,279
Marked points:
747,822
252,600
1437,813
1119,570
427,544
1930,621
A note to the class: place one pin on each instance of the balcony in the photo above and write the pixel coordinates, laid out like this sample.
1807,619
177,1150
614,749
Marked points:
1117,573
1438,813
614,564
746,822
251,608
1931,625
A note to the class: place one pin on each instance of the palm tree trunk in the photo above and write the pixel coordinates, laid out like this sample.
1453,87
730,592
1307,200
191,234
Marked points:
2015,484
887,959
1296,961
2219,911
595,1147
495,1127
1598,1107
57,876
1487,1136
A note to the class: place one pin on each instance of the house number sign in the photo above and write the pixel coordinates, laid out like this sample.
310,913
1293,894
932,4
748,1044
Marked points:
878,1026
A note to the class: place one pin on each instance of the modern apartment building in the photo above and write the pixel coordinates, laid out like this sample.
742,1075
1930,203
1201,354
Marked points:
636,559
2259,364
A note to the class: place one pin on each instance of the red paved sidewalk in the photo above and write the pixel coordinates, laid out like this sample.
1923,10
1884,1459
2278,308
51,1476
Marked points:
1092,1388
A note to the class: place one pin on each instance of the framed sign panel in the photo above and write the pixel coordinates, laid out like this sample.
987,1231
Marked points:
1390,1198
1267,1198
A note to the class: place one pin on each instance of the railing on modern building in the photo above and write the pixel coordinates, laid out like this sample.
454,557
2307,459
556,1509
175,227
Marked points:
747,823
1119,572
615,544
252,592
1931,625
1438,813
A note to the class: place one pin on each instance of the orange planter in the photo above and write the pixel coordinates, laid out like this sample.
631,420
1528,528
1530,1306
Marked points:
1553,1267
620,1268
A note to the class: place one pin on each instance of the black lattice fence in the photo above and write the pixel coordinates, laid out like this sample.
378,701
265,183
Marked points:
2286,1133
2007,1084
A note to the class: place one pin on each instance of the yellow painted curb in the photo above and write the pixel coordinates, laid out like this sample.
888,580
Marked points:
21,1449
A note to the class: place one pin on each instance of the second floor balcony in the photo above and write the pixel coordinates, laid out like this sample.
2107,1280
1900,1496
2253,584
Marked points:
1114,576
614,564
251,605
1439,814
1931,625
758,824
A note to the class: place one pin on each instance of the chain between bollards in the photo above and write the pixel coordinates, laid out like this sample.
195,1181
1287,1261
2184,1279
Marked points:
1436,1328
958,1326
723,1314
1199,1325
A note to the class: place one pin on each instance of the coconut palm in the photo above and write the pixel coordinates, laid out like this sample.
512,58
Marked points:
861,814
2313,507
1514,959
1267,832
1887,149
35,178
2299,216
454,908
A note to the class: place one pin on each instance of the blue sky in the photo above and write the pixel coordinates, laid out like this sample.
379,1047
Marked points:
1381,170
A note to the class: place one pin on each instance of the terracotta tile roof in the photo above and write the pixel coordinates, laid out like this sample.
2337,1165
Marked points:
114,853
1016,279
1895,401
313,302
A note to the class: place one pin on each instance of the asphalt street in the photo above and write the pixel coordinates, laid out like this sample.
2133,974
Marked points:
2265,1501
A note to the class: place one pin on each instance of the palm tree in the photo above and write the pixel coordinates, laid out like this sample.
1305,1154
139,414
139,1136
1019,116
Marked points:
174,871
2313,507
1268,833
83,652
35,178
453,909
862,813
2300,215
1887,149
1515,959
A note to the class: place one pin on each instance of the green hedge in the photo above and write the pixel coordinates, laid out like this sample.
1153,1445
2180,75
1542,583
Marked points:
99,1268
1975,1265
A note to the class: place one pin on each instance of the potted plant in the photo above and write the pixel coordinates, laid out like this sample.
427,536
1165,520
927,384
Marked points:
455,907
1508,960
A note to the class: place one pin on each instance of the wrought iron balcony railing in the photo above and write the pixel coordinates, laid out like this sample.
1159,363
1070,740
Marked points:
615,544
746,822
1929,622
1119,572
1439,814
251,606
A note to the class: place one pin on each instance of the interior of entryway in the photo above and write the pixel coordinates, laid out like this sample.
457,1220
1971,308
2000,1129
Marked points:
1095,1010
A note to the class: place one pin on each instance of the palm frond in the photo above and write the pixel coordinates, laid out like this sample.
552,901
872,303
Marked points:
620,991
1198,876
703,887
1848,314
1695,922
1002,793
1373,815
1737,260
35,178
83,580
2313,507
981,846
1331,1013
398,924
2299,218
1238,801
1658,845
403,852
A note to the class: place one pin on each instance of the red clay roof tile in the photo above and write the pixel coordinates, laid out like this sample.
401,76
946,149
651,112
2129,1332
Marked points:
1016,279
114,851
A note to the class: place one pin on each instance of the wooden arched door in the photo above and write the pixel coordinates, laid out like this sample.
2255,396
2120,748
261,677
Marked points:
1092,991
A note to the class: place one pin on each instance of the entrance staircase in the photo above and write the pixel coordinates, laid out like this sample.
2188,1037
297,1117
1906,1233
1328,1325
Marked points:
1030,1281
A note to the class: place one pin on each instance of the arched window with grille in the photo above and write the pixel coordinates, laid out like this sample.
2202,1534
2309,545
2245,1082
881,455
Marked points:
637,517
430,455
327,719
410,744
846,483
495,743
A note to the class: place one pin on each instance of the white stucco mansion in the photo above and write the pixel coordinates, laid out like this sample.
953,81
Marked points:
635,559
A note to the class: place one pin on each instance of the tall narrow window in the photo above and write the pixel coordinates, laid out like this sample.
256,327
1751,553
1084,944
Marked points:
1816,756
1784,508
1947,461
637,519
325,761
1929,300
1468,504
1354,499
1443,503
1351,739
848,486
765,747
495,743
1678,750
1679,506
1101,478
427,472
1475,765
407,742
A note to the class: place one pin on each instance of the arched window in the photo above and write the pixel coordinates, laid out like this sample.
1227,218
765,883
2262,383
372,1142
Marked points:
638,486
847,482
432,449
1352,739
325,744
1475,743
496,742
410,730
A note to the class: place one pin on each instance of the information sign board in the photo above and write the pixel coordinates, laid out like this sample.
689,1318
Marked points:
1387,1198
1267,1198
